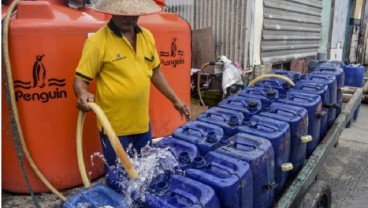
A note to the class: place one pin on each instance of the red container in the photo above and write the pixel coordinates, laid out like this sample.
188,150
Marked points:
49,35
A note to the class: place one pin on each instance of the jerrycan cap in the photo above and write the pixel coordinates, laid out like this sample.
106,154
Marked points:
252,104
271,93
184,157
224,141
199,162
161,188
211,137
233,121
306,138
287,167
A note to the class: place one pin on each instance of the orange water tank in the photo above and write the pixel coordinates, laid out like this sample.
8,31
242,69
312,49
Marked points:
173,41
45,41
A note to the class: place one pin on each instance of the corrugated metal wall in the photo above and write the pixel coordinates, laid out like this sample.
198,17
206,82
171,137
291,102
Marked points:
291,29
227,18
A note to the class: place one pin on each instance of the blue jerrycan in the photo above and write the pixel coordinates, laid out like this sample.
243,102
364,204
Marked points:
180,191
266,95
313,104
320,89
297,118
278,133
330,80
98,195
293,75
227,119
247,106
336,69
204,135
231,178
273,83
183,151
354,77
259,154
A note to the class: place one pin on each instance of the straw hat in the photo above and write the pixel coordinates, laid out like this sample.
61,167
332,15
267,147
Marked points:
127,7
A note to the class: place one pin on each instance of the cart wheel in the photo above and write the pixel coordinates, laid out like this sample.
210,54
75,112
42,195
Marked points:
318,195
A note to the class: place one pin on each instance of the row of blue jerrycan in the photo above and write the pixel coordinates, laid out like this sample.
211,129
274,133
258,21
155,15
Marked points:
242,152
271,128
237,133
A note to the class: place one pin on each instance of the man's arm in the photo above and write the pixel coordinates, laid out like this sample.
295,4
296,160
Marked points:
158,79
82,94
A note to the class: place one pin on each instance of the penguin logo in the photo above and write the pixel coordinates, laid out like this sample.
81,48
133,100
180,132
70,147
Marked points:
39,72
173,48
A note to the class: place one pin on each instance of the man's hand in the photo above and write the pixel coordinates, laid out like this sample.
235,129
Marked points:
83,100
82,94
183,110
160,82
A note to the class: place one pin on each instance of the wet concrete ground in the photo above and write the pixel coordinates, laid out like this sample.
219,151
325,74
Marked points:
346,171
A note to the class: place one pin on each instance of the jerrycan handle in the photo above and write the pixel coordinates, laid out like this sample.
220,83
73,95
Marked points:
309,87
284,110
301,97
330,69
222,167
263,126
237,101
254,92
186,195
209,114
187,128
240,143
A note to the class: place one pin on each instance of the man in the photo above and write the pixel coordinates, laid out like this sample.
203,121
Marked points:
123,59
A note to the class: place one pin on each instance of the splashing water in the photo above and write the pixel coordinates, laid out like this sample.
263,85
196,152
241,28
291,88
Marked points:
151,162
99,155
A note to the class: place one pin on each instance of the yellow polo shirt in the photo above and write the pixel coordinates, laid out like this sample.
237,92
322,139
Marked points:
122,76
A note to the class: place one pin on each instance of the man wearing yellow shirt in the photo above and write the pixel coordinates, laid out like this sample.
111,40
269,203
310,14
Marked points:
123,59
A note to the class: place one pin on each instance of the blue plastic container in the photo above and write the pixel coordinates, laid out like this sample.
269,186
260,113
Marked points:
180,191
297,118
259,154
293,75
354,77
247,106
313,104
204,135
278,133
227,119
266,95
320,89
98,195
336,69
231,178
183,151
314,65
330,80
273,83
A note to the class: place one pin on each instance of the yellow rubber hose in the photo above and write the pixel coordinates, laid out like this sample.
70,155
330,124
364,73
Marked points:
115,143
81,166
14,108
265,76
